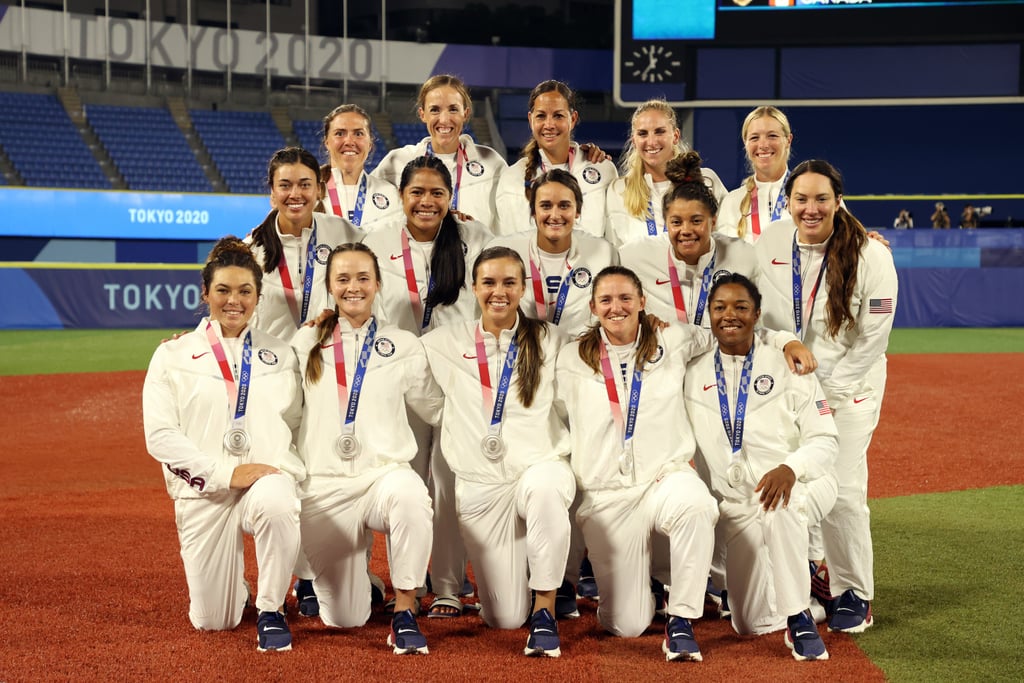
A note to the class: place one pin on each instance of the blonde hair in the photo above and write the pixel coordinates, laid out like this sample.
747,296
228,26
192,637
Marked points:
637,197
749,183
442,81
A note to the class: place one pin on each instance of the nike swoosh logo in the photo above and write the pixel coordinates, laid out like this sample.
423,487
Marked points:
396,258
708,386
859,400
542,630
273,628
469,357
804,633
199,355
662,282
326,346
406,630
844,609
776,262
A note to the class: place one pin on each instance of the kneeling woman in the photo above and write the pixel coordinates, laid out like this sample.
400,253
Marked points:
357,445
767,448
508,449
621,383
229,464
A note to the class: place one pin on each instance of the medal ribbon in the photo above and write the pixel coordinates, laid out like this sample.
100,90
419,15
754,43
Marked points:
460,158
798,292
355,216
418,308
307,280
544,167
611,386
504,381
237,399
344,395
780,204
677,290
734,428
652,226
540,291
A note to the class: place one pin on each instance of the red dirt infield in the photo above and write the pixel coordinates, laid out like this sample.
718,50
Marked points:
90,555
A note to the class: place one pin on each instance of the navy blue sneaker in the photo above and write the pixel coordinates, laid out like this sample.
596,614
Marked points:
679,643
272,632
586,587
304,594
565,601
803,639
543,640
405,635
851,615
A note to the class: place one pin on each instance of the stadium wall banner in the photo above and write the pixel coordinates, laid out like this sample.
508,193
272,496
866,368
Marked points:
128,215
108,296
284,54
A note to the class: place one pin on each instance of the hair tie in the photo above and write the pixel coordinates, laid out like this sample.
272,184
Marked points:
688,179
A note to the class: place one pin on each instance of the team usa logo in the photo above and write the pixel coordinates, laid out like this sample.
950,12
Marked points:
267,356
581,277
380,201
322,253
764,384
591,175
659,353
384,347
719,274
475,168
186,476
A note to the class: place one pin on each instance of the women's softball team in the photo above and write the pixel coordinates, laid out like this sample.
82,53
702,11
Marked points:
374,359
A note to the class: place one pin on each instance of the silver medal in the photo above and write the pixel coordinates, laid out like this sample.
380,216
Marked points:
347,447
237,442
493,447
735,474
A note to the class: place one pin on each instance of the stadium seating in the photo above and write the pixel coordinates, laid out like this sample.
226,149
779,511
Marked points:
43,144
240,143
148,148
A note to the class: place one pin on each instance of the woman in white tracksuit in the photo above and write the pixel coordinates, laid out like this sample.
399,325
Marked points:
634,200
679,266
444,106
766,449
292,244
508,449
561,259
358,377
824,279
427,283
748,210
347,190
562,263
220,406
621,384
552,115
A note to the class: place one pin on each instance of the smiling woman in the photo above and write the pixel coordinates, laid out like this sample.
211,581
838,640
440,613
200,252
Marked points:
292,244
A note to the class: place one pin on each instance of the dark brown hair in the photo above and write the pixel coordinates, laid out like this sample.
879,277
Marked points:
265,234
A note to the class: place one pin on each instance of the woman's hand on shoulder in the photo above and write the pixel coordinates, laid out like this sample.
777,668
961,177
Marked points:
799,358
595,154
877,236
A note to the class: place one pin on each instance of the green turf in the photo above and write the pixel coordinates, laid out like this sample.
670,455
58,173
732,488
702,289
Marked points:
30,352
957,340
949,594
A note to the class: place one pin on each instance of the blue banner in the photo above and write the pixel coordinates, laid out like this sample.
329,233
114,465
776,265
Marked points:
128,215
103,297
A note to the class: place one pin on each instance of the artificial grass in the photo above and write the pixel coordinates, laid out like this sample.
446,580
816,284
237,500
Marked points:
40,352
36,352
957,340
949,589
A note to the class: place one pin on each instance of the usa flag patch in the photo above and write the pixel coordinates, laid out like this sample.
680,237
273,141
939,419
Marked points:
823,408
879,305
